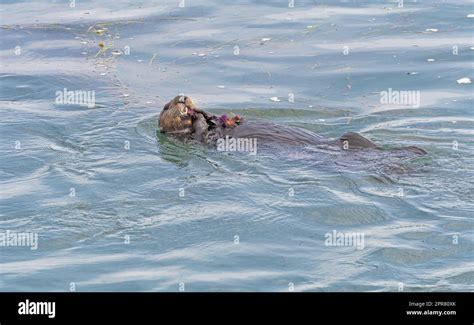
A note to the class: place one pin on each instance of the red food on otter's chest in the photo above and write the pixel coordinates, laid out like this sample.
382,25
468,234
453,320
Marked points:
229,122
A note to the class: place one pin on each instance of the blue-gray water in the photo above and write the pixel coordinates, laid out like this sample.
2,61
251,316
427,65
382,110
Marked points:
118,208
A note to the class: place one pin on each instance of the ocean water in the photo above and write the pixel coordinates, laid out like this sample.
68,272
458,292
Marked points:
117,206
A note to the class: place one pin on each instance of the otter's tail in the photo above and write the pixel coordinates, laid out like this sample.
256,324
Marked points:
351,140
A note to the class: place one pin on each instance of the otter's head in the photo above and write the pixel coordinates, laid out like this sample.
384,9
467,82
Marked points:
174,117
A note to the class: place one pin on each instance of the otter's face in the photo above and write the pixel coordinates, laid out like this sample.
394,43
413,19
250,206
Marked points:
174,117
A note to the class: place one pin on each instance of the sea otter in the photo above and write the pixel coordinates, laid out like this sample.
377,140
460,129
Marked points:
182,119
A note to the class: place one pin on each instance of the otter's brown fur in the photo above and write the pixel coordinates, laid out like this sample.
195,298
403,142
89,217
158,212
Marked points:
174,117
